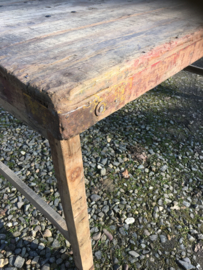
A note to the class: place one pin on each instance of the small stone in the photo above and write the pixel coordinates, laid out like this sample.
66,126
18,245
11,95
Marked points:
18,251
200,236
37,228
52,260
163,239
47,233
35,260
103,172
11,260
96,236
56,244
116,267
187,204
46,267
87,181
16,234
153,237
123,231
20,204
68,243
191,238
146,232
33,253
105,209
186,264
95,197
164,168
56,201
104,161
5,197
50,239
19,262
155,215
133,253
33,233
98,255
151,151
41,246
34,244
23,252
2,236
112,228
1,263
26,207
59,261
130,220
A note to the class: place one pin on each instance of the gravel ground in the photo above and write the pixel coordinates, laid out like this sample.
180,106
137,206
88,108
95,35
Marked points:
144,177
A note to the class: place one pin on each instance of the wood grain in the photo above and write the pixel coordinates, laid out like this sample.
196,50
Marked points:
35,199
60,59
68,55
68,164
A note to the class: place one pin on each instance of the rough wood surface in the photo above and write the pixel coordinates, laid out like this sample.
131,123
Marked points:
69,56
65,55
36,200
68,164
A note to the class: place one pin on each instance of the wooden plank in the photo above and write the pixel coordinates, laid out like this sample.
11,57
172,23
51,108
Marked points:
148,72
77,52
36,200
194,69
105,52
68,164
31,111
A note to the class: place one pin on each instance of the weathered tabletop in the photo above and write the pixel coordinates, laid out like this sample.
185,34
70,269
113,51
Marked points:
68,64
64,65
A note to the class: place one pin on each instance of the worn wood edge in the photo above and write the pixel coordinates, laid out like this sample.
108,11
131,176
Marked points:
30,90
36,200
66,102
117,96
70,100
22,117
194,69
15,99
74,119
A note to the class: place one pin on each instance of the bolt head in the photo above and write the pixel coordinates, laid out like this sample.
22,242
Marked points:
101,108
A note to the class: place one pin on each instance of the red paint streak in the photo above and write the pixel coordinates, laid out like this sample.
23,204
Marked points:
156,63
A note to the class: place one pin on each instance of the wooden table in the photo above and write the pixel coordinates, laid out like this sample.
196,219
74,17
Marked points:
65,65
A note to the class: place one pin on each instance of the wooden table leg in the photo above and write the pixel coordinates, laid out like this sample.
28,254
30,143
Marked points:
68,164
